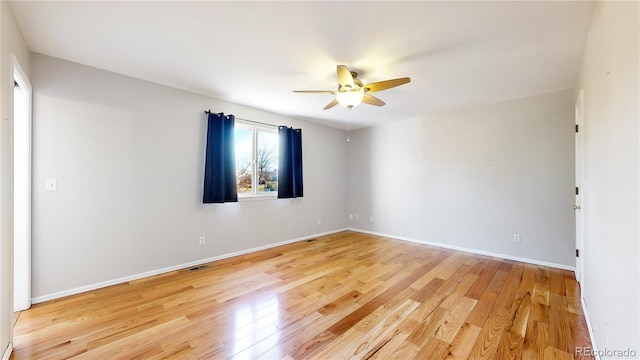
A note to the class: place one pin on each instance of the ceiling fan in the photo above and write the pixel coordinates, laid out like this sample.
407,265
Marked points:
351,92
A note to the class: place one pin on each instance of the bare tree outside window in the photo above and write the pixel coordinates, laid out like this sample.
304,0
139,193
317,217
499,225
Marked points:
267,161
244,158
256,160
244,177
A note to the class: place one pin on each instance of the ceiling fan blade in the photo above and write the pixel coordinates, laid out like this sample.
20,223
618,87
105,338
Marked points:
331,104
344,76
372,100
315,91
387,84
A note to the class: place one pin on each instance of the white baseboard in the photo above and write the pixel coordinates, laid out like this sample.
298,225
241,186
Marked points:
7,351
121,280
469,250
588,320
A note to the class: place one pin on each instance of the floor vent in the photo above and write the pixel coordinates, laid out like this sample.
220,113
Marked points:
199,267
310,240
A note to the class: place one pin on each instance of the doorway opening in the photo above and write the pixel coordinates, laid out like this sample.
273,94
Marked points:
21,189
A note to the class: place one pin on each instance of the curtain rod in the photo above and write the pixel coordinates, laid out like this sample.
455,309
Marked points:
247,120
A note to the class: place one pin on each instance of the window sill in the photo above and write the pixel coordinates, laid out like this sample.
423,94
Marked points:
257,197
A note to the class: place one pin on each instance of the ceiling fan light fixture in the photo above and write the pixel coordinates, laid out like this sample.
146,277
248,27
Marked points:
350,96
351,91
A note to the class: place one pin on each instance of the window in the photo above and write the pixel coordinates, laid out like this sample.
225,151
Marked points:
256,160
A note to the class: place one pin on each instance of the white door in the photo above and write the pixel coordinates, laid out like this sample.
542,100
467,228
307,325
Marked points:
579,186
21,190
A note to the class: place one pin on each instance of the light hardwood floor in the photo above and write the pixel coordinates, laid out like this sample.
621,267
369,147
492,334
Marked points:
346,295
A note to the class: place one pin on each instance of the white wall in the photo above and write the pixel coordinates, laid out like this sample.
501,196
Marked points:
129,156
11,43
472,178
609,76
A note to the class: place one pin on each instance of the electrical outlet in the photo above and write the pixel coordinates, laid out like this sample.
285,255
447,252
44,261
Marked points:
370,218
356,216
51,185
516,238
202,240
319,221
350,216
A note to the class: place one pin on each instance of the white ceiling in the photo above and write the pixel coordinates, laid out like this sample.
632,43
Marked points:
255,53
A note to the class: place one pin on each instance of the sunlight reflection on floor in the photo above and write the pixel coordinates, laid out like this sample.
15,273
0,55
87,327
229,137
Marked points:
255,328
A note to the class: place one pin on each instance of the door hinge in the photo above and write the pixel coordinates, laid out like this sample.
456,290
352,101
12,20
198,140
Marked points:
577,190
577,128
577,253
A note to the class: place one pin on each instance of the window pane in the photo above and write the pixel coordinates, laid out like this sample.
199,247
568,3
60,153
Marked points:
244,151
267,161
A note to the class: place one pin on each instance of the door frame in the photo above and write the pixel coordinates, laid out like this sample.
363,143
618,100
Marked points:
22,247
579,183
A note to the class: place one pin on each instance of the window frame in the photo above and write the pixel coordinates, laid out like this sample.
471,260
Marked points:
255,128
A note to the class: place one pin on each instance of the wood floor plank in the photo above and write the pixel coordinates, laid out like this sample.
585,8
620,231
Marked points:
389,347
535,342
499,317
487,300
340,296
512,340
557,282
463,343
433,349
429,326
455,293
407,350
453,323
342,326
292,339
378,334
541,293
559,328
573,295
352,335
488,270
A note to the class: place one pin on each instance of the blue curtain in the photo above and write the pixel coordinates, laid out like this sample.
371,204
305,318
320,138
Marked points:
220,162
290,163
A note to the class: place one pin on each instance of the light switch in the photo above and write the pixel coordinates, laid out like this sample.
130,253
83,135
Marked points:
51,184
